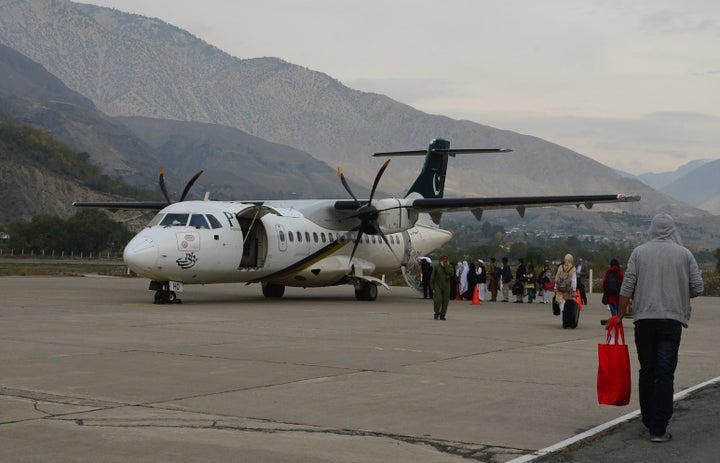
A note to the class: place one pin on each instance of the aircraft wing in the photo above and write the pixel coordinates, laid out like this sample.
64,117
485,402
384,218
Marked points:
119,205
516,202
477,205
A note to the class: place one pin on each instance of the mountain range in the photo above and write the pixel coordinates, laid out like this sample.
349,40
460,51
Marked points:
260,127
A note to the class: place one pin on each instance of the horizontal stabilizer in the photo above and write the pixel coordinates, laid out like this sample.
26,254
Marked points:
450,152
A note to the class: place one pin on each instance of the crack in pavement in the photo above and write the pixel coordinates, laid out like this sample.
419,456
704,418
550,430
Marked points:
466,450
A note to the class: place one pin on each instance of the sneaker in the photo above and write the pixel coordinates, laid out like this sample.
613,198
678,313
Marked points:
664,438
603,322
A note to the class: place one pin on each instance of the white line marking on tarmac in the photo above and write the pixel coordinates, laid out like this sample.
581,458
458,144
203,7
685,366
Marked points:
598,429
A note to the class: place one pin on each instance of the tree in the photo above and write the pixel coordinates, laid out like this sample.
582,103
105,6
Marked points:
89,231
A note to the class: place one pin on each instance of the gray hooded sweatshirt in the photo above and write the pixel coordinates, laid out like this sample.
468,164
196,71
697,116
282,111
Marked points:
662,275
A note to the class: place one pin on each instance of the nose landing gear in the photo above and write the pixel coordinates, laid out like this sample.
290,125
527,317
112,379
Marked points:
163,294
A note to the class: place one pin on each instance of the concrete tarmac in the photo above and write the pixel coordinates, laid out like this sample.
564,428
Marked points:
91,370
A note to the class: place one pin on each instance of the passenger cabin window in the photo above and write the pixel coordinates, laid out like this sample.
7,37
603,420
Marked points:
307,237
290,236
315,237
175,220
322,236
198,221
299,237
282,235
215,223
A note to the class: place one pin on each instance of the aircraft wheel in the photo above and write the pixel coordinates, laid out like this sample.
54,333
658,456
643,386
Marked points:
371,291
171,297
366,292
273,290
359,295
159,299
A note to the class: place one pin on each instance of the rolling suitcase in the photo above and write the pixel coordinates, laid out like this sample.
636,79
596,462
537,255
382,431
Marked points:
570,314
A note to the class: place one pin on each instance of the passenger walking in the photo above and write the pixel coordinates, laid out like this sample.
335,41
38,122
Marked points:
565,282
425,272
507,277
519,284
481,272
661,277
441,281
530,282
612,281
495,277
547,284
581,270
461,273
471,281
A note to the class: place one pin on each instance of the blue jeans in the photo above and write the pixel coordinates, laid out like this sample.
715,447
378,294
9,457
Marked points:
657,342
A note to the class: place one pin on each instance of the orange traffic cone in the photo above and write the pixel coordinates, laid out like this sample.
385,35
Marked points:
476,297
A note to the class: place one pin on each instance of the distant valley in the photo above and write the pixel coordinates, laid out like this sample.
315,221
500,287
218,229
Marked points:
137,94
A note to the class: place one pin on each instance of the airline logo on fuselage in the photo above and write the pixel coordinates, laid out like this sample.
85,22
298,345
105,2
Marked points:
188,261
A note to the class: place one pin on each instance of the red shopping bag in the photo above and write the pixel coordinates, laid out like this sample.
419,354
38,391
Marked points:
578,299
613,378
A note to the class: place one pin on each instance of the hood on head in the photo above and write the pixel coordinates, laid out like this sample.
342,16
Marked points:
663,227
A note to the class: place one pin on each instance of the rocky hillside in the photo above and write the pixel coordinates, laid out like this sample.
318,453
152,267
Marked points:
237,165
133,66
130,65
32,180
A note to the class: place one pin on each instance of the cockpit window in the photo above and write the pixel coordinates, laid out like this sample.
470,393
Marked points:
215,223
198,221
174,220
156,220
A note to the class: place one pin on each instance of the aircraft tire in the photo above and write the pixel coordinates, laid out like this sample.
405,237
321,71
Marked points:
273,290
367,292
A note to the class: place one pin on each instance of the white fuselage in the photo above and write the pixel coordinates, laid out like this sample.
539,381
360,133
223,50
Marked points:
291,243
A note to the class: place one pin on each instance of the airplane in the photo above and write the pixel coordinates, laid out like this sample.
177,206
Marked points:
309,243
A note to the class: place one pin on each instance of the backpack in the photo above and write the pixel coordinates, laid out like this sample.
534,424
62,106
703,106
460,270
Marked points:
613,283
564,282
497,273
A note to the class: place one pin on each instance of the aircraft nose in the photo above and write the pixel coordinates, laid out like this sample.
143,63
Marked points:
141,255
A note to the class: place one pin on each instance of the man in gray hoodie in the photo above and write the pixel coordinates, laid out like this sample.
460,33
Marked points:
661,277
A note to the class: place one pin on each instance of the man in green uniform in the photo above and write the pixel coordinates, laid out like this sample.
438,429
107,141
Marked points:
440,281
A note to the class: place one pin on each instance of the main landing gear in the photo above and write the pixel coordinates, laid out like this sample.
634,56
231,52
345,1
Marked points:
163,294
366,291
273,290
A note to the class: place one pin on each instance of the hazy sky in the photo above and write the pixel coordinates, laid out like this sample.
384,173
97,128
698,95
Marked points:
633,84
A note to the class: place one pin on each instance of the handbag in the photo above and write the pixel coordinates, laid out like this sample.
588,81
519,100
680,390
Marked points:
518,288
613,377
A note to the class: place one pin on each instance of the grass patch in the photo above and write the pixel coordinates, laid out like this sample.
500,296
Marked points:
64,269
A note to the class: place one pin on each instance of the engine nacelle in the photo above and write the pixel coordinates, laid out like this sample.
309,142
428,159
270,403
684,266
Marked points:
394,218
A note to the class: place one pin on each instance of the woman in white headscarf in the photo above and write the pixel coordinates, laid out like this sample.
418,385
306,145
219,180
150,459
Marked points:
565,282
463,269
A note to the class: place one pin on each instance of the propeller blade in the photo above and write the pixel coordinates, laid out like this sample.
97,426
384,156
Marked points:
357,241
347,187
190,184
382,235
377,180
161,181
